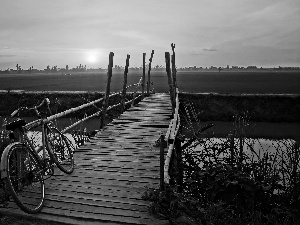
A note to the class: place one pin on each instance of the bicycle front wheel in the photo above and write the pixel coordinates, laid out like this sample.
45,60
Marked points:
25,178
60,149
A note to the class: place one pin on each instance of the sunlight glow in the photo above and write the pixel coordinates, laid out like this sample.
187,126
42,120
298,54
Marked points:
93,56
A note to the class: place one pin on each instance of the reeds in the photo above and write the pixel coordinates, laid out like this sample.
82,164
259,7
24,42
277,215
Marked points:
244,173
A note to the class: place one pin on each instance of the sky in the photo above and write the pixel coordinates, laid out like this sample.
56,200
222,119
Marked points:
206,32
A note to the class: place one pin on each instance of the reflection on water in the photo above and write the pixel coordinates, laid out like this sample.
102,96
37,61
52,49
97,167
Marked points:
220,150
250,146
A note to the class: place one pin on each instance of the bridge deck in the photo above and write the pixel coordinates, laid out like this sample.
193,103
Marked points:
112,171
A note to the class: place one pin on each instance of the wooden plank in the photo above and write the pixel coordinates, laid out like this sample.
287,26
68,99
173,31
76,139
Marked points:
61,214
108,179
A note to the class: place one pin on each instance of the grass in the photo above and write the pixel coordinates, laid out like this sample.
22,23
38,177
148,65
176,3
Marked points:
193,81
260,108
59,102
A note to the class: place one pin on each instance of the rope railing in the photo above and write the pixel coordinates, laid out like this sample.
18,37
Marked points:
99,112
38,122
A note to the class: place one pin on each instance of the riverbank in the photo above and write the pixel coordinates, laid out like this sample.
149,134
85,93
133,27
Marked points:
258,108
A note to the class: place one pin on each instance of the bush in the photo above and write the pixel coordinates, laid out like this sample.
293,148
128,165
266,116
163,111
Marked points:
224,184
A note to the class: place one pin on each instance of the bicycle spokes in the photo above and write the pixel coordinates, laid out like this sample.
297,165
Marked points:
25,179
60,150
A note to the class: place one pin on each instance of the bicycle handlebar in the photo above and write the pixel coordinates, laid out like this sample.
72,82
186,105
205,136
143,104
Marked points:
46,102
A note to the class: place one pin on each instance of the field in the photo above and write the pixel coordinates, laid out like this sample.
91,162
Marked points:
276,116
197,82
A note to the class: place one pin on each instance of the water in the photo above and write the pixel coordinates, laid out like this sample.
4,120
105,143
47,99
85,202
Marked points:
268,158
255,149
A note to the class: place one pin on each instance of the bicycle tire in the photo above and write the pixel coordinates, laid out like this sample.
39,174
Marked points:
60,150
25,178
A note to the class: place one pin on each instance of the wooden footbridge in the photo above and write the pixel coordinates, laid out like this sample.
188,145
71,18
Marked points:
115,168
112,171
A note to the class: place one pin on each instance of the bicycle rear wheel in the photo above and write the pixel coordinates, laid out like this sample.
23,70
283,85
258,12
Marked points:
60,149
25,178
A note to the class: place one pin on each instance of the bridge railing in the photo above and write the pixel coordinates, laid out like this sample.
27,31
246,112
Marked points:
171,137
170,165
138,92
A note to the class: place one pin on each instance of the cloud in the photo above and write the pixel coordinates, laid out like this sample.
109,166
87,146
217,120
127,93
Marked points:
2,56
210,49
197,53
212,32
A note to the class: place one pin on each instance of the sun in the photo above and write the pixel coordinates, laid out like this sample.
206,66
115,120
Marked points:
93,56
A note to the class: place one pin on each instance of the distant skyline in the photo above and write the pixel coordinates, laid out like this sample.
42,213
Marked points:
207,33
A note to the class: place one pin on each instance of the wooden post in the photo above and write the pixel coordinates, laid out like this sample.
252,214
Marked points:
125,82
174,70
144,76
107,91
162,183
170,81
149,83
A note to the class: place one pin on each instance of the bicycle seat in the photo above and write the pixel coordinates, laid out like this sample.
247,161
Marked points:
16,124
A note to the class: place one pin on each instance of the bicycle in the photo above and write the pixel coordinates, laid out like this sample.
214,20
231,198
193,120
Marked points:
25,168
